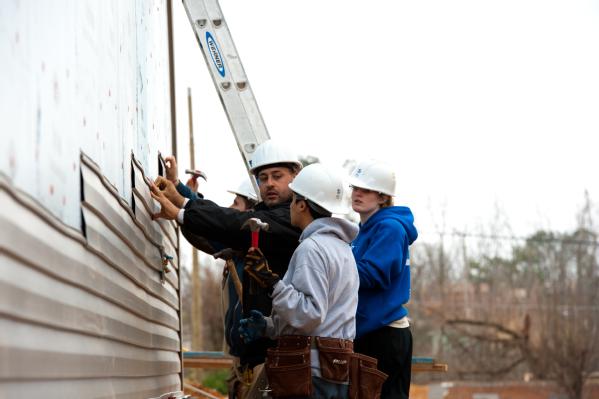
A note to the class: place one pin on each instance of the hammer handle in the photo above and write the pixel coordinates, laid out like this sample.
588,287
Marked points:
236,281
255,235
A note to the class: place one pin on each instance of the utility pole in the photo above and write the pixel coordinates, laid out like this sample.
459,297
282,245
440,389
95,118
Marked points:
196,294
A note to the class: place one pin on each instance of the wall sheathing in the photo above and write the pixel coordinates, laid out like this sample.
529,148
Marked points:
79,75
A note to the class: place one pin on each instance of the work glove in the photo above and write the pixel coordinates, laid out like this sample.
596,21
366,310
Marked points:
257,267
253,327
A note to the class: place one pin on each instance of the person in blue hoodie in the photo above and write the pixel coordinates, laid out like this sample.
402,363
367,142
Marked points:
383,261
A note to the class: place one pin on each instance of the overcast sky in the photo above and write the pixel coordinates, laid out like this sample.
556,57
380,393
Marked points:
478,104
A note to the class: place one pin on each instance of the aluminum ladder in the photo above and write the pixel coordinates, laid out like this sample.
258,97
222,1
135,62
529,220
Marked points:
228,75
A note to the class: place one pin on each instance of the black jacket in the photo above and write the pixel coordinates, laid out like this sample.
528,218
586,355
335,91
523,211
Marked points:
223,225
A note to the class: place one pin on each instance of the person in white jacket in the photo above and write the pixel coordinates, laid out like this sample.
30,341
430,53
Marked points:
318,295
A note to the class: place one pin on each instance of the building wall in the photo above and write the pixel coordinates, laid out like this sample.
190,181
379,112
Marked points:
87,307
81,75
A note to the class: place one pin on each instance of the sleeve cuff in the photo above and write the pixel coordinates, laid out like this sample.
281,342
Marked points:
185,201
180,216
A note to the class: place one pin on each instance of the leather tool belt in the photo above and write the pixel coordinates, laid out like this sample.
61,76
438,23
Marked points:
365,380
289,372
288,367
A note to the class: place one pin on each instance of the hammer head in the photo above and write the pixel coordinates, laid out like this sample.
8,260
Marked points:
255,224
227,254
196,173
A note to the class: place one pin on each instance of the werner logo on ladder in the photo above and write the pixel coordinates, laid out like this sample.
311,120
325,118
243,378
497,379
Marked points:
215,54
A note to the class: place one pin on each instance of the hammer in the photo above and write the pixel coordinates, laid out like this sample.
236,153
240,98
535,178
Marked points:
255,225
196,173
228,254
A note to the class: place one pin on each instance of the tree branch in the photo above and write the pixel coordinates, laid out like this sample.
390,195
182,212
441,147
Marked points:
478,323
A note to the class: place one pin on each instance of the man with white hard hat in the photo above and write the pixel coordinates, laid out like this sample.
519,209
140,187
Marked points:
314,303
274,166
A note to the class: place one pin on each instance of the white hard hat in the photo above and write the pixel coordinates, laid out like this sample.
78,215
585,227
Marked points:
246,190
322,186
272,152
374,175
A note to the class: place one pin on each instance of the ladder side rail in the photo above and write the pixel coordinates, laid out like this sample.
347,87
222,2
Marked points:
225,40
224,65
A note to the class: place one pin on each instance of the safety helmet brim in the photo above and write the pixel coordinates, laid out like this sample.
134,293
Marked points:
353,182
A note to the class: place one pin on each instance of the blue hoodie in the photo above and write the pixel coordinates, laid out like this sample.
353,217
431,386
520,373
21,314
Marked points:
383,260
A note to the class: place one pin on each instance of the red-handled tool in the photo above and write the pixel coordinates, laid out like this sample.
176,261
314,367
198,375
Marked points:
255,225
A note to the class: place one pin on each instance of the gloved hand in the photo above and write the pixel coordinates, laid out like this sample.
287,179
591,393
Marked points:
257,267
253,327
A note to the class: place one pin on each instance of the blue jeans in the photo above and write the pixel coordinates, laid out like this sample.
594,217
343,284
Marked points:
328,390
323,389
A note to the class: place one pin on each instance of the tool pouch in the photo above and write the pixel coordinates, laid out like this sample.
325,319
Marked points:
334,355
365,380
288,367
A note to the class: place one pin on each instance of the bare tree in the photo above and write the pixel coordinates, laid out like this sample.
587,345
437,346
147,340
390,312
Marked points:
496,312
212,294
211,310
540,313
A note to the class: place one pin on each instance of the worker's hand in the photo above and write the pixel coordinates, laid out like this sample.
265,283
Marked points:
192,184
257,267
167,209
253,327
170,164
168,189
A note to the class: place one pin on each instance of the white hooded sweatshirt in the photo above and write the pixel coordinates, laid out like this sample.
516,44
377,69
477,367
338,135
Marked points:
318,294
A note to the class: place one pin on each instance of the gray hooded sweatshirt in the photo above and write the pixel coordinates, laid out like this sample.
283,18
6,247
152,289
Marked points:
318,294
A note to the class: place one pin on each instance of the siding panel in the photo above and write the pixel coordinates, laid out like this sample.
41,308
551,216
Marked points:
104,240
140,184
122,218
144,217
74,355
86,315
116,209
61,253
60,305
97,388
